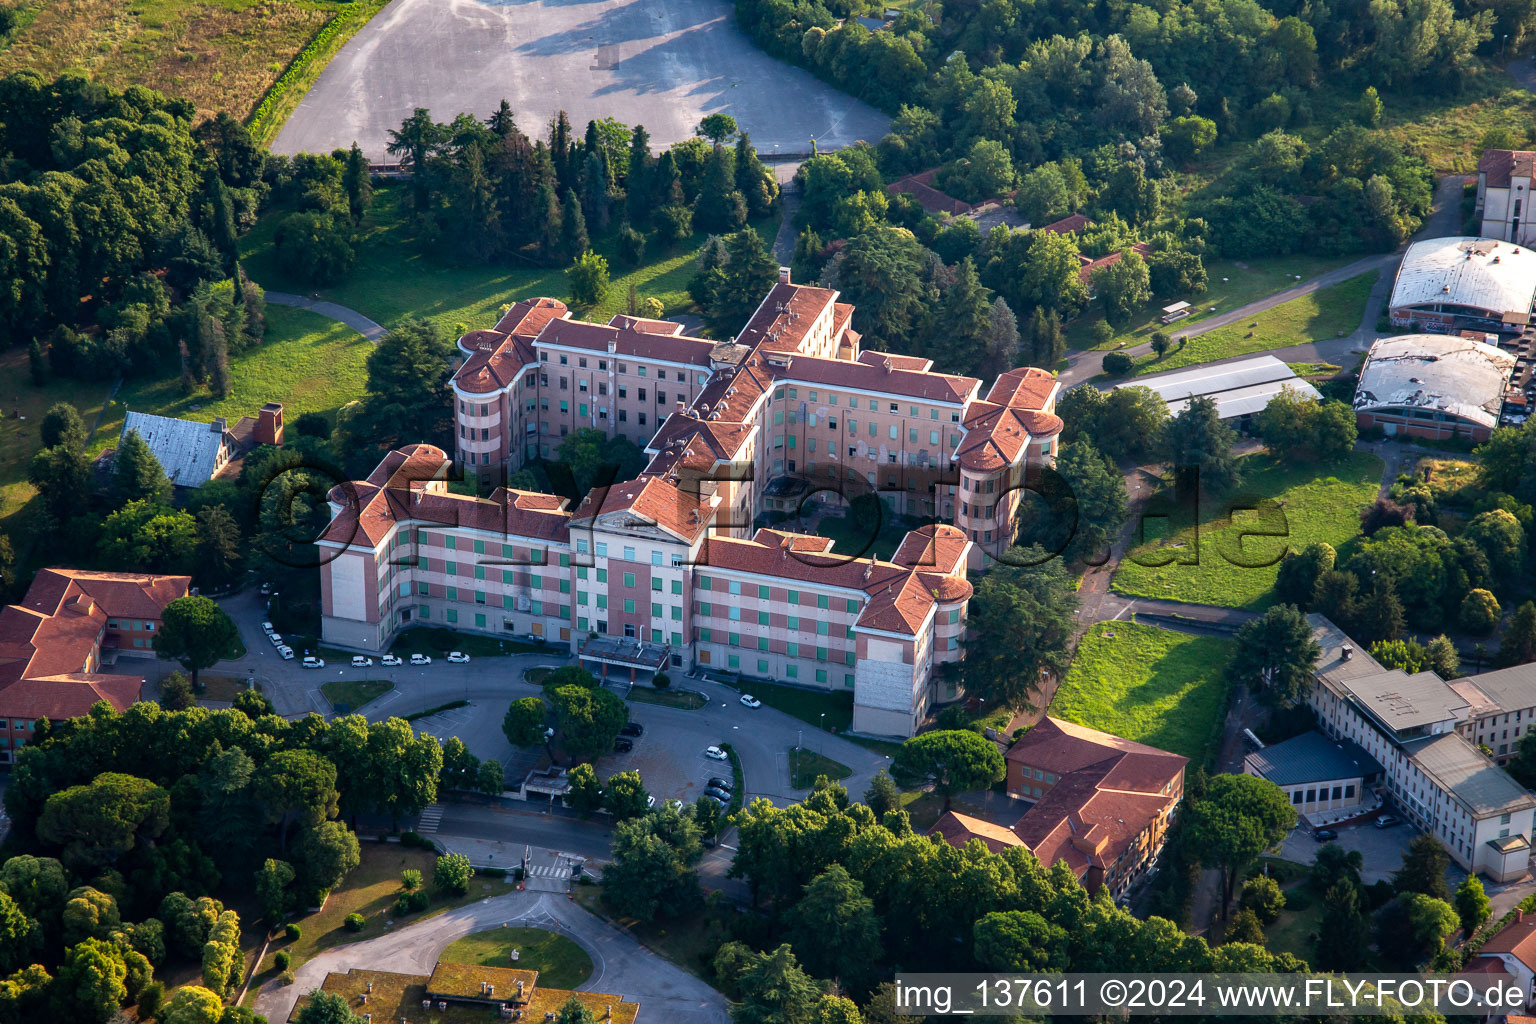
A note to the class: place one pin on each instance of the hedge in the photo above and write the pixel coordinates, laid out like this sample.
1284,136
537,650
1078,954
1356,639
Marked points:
264,122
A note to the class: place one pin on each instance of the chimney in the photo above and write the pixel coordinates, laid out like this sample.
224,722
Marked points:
1348,651
680,405
1519,915
269,424
784,275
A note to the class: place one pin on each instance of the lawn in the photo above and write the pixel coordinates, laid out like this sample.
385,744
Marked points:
437,642
354,693
560,962
219,54
1331,312
221,688
1232,283
688,700
824,709
1151,685
371,890
394,277
1311,503
1449,135
689,942
806,765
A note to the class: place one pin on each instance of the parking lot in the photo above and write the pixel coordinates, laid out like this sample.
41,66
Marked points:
1381,848
661,63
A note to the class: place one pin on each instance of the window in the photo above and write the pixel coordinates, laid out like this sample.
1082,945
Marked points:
629,606
629,579
656,584
734,614
655,610
677,586
793,650
704,608
853,605
733,586
762,643
762,618
629,554
794,622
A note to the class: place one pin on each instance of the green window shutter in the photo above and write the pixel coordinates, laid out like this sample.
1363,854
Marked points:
629,606
762,618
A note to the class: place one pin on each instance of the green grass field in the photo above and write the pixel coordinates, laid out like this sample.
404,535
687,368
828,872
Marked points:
1151,685
1232,283
1318,502
806,765
219,54
560,962
687,700
394,278
354,693
1330,312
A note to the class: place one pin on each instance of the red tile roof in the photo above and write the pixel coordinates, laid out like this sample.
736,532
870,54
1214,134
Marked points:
644,325
1090,265
653,500
627,341
786,313
528,317
1518,940
68,695
1500,165
957,829
1072,225
937,547
921,188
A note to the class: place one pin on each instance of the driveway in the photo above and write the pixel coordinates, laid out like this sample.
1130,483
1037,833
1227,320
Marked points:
661,63
1381,848
620,964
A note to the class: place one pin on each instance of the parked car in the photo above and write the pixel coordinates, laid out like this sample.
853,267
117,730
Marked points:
359,661
285,652
1323,835
750,701
276,638
266,627
267,591
1388,820
458,658
390,661
619,746
715,754
632,729
650,801
716,799
718,793
717,782
313,662
420,659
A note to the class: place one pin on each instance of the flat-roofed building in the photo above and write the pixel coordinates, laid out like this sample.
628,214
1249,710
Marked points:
1433,386
1322,777
1239,388
1462,282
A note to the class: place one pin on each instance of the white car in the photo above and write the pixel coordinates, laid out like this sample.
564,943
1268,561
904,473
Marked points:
650,801
313,662
750,701
358,661
420,659
266,627
266,590
276,638
458,658
716,754
390,661
285,652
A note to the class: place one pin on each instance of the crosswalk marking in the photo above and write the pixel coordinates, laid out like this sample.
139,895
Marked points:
430,819
549,871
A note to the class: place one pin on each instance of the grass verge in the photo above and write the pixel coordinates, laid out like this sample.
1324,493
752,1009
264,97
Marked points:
1151,685
354,693
560,962
690,942
1226,560
688,700
806,765
220,688
1331,312
436,642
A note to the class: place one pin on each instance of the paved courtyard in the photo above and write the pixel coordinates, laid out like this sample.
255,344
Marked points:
661,63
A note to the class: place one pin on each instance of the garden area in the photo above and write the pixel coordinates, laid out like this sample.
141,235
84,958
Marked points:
395,278
1331,312
1151,685
560,962
1301,504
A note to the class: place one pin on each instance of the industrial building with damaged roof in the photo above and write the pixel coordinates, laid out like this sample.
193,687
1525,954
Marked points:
1463,282
1433,386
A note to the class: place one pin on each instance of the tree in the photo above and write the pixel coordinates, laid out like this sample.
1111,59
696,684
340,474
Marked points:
1020,940
20,935
1443,657
62,425
1020,623
1369,109
652,872
63,477
1042,196
176,692
589,719
37,884
585,793
524,722
407,382
406,767
878,271
774,990
1098,494
326,1008
883,794
99,822
218,545
624,794
89,914
1518,644
1344,944
954,760
451,873
1262,895
1412,928
1471,905
717,128
196,632
1185,138
1424,865
574,1011
316,247
415,142
223,960
297,785
1299,429
1479,611
1122,286
192,1004
1296,581
272,882
1199,445
1117,364
253,704
1240,817
1244,927
137,474
834,929
959,327
1276,655
92,983
490,778
357,183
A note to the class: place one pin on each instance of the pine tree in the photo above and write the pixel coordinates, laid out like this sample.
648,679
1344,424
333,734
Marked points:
719,207
560,150
218,360
1345,941
594,191
37,361
638,198
472,204
573,227
1002,338
549,223
753,180
749,272
962,323
358,184
137,474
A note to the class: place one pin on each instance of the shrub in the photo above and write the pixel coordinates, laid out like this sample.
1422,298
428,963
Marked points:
419,900
452,873
1101,332
410,879
282,958
403,905
415,840
661,681
150,998
286,978
293,932
354,922
1117,364
631,246
1479,611
492,872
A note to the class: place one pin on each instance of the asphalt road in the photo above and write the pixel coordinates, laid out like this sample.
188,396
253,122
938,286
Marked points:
661,63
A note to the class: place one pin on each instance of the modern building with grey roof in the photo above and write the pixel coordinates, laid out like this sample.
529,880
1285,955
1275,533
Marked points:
1239,389
1412,725
1503,708
1434,386
1319,776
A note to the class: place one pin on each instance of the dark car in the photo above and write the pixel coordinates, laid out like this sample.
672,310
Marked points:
718,793
623,746
718,783
1323,835
632,729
